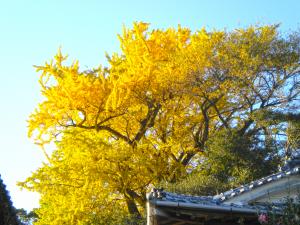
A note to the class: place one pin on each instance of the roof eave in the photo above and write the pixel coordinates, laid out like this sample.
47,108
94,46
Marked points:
215,208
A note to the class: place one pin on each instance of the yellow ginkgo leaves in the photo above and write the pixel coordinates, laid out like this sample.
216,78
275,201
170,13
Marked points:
149,115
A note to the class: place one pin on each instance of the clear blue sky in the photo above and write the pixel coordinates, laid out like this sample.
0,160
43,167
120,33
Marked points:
31,32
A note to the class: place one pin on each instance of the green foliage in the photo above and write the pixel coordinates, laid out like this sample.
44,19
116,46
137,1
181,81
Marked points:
230,160
289,216
235,159
27,218
116,218
196,183
293,133
7,211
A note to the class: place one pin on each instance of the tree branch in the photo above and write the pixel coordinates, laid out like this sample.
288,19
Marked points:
146,123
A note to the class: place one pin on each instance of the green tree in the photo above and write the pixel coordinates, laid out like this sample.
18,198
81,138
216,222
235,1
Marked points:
287,214
293,134
7,211
229,160
26,218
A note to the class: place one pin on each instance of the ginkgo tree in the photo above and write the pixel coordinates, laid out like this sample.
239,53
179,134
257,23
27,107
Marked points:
148,116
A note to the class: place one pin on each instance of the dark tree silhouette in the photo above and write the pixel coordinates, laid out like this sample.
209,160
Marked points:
7,211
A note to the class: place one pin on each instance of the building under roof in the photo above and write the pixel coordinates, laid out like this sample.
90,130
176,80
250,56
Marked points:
241,205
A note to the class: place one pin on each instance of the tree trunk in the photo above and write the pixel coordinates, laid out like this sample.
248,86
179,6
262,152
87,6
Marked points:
132,208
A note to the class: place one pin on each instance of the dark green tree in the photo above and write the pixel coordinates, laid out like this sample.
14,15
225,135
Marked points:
7,211
27,218
230,159
289,214
233,157
293,135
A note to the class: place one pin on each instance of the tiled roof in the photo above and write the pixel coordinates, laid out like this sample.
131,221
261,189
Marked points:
168,196
292,167
162,197
254,184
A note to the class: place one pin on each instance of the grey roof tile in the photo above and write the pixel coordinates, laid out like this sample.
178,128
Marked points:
254,184
291,168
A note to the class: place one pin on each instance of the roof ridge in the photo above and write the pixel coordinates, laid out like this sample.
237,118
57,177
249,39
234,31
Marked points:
256,183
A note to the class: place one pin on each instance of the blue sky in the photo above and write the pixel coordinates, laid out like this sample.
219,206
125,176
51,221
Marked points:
32,31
